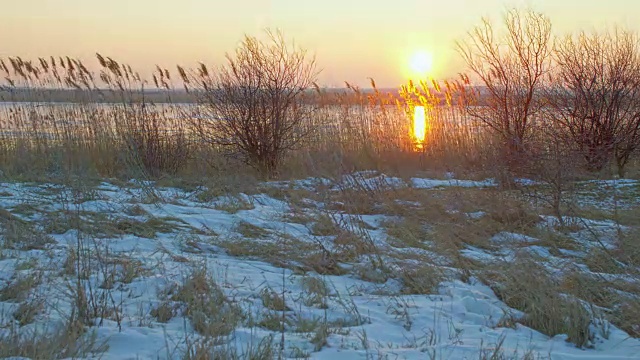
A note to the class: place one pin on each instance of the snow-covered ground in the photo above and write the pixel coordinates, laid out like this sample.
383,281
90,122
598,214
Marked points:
252,245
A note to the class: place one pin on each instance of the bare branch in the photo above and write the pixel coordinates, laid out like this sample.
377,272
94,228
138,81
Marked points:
254,105
511,68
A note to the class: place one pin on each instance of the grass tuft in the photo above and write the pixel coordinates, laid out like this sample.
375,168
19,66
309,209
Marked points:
27,311
19,288
251,231
272,300
210,312
528,286
324,225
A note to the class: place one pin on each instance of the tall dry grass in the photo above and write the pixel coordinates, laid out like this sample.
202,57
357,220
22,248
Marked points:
56,113
59,117
371,129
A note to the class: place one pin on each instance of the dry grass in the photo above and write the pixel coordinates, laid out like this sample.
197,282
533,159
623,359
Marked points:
324,225
618,296
25,209
319,339
349,246
135,210
628,249
27,311
124,269
619,299
211,349
627,316
218,182
164,312
251,231
323,263
69,267
408,232
67,341
601,261
19,234
287,252
355,201
316,292
149,228
104,225
554,240
527,286
272,300
210,312
19,288
590,288
271,320
298,218
421,279
234,204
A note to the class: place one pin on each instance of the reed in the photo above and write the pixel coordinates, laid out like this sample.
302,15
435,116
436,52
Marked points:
58,117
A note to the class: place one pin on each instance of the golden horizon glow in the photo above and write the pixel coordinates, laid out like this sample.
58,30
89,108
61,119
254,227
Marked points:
419,126
421,64
350,44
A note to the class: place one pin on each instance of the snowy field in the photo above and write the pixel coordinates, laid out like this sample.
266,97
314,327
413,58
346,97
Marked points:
291,270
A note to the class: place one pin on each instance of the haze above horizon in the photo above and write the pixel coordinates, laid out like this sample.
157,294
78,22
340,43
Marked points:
352,40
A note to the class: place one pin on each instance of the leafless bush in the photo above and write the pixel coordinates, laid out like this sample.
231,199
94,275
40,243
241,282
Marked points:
254,105
596,95
512,70
554,163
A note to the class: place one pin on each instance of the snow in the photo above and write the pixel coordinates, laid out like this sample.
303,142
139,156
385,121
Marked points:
375,180
434,183
459,321
507,237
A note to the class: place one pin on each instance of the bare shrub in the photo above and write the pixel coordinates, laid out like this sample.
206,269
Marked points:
254,106
596,95
512,70
553,164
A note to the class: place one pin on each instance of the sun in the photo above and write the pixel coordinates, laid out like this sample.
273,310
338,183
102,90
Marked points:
421,63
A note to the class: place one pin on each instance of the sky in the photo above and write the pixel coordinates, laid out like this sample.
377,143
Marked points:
352,40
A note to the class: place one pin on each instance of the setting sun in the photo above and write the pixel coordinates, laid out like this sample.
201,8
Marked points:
421,63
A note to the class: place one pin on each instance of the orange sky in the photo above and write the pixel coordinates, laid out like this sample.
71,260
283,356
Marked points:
352,39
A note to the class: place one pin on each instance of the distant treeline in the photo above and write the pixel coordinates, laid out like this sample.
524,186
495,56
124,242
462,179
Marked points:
95,96
8,94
